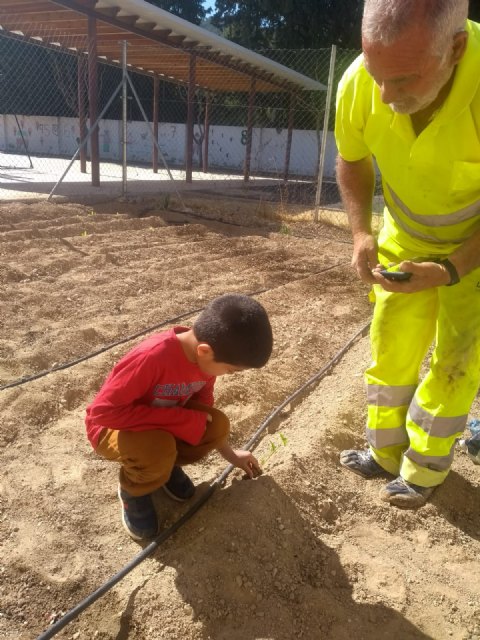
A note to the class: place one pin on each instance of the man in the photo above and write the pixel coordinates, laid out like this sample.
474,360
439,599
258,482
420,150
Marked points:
412,102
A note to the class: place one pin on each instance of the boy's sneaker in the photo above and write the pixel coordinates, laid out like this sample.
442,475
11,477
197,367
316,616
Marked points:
361,462
404,494
179,486
138,515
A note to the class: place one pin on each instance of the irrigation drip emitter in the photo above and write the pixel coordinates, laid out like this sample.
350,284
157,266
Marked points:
112,345
219,481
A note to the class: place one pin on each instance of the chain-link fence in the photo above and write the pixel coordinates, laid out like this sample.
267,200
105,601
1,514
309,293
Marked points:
44,111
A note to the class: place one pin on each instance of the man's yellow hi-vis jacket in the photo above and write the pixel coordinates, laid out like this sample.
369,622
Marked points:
431,185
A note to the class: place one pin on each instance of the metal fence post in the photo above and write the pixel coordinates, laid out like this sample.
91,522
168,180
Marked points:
156,99
93,100
328,101
248,145
190,119
124,117
82,111
88,137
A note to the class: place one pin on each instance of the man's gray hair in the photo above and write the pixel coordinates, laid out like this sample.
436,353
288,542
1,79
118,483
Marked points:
385,20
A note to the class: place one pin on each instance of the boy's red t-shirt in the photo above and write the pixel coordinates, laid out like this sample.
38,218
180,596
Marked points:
148,388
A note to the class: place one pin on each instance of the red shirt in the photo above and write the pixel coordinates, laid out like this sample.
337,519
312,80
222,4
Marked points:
148,388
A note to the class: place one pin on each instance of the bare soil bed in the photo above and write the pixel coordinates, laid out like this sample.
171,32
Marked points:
307,550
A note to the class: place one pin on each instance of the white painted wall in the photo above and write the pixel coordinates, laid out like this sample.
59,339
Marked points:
47,135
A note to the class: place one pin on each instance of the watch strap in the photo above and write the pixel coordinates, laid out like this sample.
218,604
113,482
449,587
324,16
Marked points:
450,267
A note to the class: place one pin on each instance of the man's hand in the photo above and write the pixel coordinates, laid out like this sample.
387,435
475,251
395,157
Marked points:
365,257
425,275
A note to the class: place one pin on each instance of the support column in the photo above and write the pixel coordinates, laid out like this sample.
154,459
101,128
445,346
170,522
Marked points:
207,132
93,99
82,112
190,120
248,146
124,117
288,150
323,148
156,85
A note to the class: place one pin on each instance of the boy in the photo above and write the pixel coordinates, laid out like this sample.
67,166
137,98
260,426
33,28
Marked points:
154,413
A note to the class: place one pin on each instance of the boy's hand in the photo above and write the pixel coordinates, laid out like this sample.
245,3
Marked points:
242,459
247,461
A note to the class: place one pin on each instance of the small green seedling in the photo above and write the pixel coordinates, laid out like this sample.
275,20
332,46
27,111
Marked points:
274,447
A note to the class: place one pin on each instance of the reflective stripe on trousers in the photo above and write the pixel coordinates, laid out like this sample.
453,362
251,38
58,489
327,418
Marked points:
412,429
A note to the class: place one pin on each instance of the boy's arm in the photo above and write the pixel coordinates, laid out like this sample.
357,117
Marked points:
117,406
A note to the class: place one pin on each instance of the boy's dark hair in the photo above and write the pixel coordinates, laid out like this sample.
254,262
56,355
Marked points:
237,329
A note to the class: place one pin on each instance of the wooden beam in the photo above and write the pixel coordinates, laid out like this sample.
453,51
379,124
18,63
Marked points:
176,39
162,33
128,20
148,26
111,12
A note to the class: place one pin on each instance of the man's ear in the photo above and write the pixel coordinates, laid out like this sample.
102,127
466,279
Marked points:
459,46
204,351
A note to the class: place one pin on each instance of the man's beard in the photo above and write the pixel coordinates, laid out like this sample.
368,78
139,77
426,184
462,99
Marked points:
412,104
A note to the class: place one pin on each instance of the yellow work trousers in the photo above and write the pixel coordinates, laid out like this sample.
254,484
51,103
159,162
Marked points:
413,421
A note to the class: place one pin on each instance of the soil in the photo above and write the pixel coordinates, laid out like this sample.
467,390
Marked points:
307,550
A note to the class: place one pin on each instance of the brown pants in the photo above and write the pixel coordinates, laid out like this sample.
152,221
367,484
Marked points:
147,457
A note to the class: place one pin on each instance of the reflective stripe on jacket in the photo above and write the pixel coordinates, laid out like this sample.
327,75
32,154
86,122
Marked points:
431,182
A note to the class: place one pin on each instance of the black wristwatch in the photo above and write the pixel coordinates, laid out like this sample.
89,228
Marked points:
450,267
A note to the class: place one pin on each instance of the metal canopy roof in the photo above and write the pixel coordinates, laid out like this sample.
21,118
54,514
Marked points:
160,43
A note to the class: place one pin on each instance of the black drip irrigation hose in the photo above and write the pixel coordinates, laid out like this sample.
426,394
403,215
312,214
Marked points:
188,212
111,345
71,363
150,548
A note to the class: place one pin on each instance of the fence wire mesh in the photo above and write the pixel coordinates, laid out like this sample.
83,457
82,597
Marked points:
44,110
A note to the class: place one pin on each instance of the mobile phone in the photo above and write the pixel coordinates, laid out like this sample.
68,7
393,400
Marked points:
397,276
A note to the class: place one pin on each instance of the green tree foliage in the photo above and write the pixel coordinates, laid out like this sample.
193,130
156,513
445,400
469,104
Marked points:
474,13
290,24
191,10
295,24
